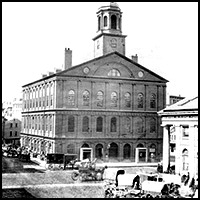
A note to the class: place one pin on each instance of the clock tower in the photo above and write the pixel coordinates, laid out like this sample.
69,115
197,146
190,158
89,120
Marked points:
109,36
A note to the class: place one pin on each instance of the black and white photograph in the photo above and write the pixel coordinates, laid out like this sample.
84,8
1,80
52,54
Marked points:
99,99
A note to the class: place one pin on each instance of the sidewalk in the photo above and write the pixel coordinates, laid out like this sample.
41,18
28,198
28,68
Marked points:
42,164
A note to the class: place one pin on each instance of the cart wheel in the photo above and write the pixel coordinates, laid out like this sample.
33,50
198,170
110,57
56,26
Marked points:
50,167
98,176
75,175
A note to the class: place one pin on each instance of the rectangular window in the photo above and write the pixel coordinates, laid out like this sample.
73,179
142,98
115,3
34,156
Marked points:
185,129
16,125
10,125
15,133
10,133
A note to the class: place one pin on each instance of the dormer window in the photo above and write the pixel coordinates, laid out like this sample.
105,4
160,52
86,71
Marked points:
113,22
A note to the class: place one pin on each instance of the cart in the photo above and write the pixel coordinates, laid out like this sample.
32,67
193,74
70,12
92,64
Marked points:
88,171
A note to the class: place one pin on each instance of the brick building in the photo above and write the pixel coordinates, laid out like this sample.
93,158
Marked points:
104,108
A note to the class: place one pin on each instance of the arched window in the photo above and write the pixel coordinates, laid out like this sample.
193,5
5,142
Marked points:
71,97
139,125
140,100
114,99
100,99
152,125
127,98
99,23
71,124
99,125
153,101
114,72
113,124
85,126
86,98
127,151
113,150
119,23
113,22
99,151
105,21
185,159
127,124
70,148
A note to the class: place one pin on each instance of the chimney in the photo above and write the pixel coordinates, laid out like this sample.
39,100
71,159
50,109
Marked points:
135,58
68,58
50,73
44,75
58,70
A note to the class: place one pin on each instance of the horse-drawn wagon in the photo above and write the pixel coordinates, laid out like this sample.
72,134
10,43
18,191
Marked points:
88,171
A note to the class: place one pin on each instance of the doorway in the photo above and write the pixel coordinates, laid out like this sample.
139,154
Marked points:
141,155
86,153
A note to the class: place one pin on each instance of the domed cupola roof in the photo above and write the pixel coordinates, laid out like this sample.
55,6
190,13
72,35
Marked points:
111,5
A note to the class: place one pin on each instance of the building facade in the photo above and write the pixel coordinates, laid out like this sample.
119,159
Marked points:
104,108
172,99
12,129
180,124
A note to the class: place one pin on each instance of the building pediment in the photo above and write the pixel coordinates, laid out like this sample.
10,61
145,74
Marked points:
113,66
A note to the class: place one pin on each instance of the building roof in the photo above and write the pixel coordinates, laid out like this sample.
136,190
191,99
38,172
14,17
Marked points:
97,59
185,105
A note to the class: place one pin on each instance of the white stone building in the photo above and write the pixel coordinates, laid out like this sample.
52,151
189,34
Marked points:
181,118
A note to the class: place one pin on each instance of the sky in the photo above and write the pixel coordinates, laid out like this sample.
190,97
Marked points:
164,35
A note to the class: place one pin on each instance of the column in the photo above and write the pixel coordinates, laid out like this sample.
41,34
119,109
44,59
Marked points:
133,92
192,153
120,97
145,97
178,154
166,149
120,150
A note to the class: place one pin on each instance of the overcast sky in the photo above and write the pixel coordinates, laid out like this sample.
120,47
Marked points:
164,35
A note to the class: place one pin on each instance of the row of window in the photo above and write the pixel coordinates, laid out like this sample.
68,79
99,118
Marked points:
11,125
113,22
46,124
113,97
11,133
38,102
38,92
38,123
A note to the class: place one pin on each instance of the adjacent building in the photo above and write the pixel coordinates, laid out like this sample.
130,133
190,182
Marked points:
180,124
12,129
172,99
104,108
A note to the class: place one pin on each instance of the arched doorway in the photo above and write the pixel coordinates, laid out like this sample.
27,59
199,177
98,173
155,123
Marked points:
185,159
85,145
113,150
127,151
99,151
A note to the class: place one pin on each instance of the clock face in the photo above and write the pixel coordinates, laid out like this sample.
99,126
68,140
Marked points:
113,43
140,74
86,70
